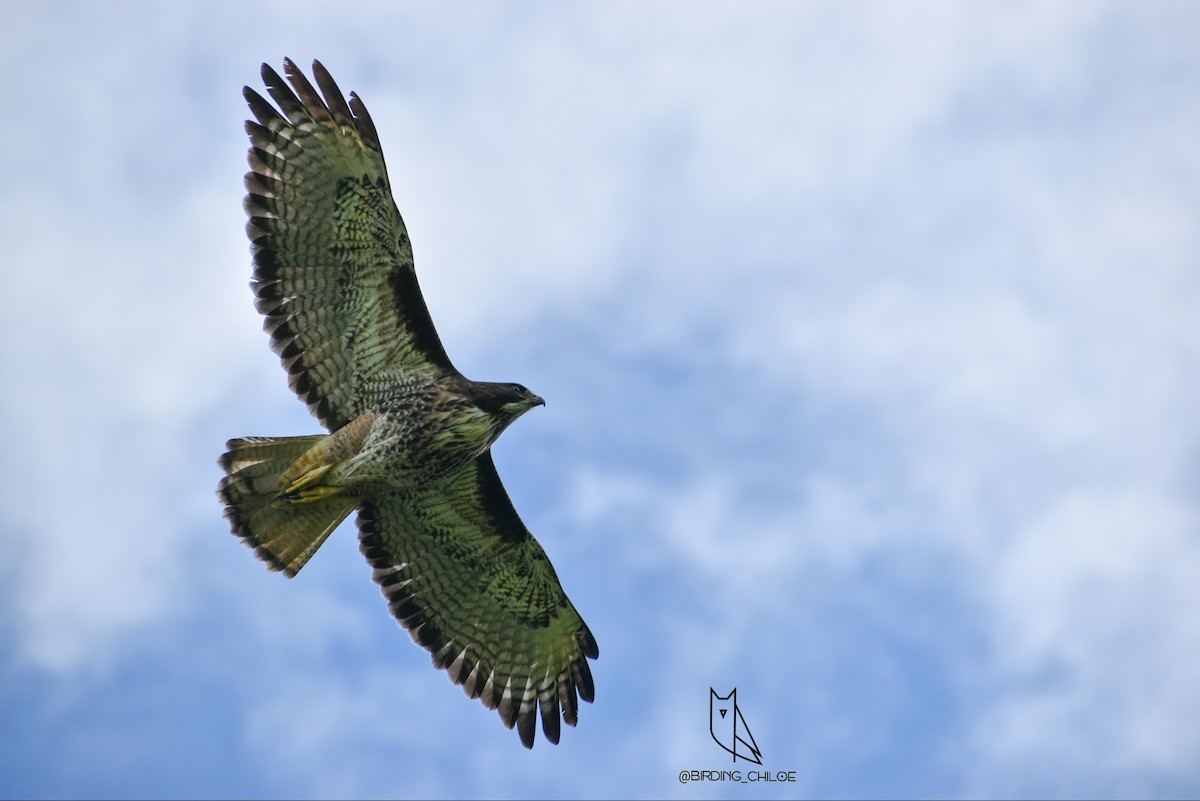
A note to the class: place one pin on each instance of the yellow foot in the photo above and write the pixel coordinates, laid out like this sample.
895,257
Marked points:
306,486
296,494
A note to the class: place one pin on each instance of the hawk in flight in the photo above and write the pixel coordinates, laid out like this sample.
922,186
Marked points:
409,437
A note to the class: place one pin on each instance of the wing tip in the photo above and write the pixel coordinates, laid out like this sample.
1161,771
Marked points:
268,74
587,642
526,727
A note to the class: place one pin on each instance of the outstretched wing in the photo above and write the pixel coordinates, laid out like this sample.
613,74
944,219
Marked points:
333,267
471,584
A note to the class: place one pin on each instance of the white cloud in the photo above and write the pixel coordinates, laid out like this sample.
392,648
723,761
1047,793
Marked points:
1095,636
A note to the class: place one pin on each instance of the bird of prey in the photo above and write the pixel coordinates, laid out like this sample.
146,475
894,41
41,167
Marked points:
409,437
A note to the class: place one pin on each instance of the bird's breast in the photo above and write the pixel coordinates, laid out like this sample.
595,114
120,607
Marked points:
412,443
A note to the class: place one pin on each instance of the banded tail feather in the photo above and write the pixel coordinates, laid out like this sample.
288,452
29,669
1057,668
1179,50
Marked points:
285,528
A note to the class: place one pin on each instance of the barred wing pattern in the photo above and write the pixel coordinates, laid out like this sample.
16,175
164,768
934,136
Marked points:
333,266
465,577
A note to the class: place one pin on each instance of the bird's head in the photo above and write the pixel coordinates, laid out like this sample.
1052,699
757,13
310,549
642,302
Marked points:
501,404
505,402
470,415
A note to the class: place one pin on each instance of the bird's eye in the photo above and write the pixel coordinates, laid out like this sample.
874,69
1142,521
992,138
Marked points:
520,390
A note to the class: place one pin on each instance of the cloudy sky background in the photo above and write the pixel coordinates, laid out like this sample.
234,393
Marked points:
869,337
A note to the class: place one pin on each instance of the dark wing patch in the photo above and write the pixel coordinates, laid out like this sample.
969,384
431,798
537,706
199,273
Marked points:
462,573
333,267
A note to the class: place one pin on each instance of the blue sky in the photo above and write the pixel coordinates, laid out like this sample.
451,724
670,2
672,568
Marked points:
868,335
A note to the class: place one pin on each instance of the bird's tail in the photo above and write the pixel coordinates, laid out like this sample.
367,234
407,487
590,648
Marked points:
274,501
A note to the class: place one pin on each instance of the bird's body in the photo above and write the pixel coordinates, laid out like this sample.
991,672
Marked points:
395,449
409,437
